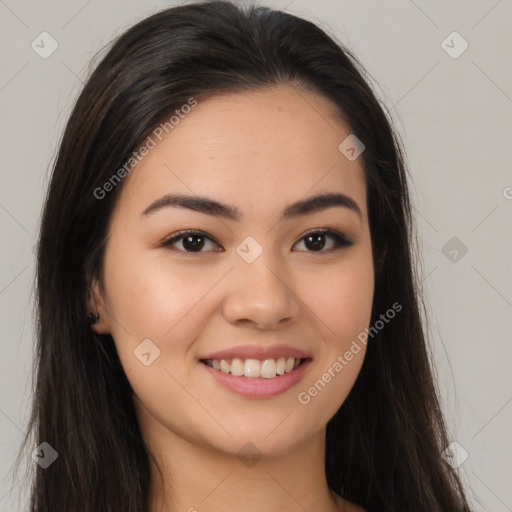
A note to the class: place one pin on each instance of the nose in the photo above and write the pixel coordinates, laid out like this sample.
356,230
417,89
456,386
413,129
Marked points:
261,294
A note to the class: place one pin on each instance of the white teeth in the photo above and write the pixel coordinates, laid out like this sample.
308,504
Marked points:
253,368
268,369
290,362
237,367
280,365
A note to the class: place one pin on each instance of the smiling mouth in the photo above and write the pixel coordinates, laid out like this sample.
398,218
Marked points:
254,368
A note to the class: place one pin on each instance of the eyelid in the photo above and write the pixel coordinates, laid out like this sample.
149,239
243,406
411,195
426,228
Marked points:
182,234
341,240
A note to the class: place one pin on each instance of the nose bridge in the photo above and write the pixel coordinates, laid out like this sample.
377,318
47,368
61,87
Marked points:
265,272
260,292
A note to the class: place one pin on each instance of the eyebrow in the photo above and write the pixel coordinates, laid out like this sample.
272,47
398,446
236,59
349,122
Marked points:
230,212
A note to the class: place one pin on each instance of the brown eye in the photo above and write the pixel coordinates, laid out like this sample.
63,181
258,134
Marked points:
315,241
191,242
195,241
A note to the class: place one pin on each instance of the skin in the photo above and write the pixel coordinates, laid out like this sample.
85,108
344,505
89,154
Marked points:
239,149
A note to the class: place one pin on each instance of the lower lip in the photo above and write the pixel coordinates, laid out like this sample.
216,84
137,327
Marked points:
251,387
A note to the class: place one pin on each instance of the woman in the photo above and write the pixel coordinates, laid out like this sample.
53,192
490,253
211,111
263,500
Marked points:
228,313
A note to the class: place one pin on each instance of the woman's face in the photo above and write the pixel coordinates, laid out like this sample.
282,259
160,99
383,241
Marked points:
254,282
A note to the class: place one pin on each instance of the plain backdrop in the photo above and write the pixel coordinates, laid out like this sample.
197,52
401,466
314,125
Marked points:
453,110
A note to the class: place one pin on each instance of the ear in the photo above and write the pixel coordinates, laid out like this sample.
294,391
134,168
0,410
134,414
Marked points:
97,304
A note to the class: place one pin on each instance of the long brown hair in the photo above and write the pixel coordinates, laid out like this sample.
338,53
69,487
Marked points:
383,445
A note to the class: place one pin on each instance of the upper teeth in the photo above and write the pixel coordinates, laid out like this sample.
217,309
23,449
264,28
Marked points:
267,368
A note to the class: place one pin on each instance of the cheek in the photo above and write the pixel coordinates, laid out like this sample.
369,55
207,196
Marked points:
153,299
341,299
342,305
161,303
343,302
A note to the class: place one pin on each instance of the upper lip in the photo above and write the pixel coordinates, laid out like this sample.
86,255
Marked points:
258,352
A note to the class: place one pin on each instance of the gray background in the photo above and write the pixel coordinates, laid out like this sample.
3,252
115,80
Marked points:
454,115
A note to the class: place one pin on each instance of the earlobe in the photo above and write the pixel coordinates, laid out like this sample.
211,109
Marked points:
97,316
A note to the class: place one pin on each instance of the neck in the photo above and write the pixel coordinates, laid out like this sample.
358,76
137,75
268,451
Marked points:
200,478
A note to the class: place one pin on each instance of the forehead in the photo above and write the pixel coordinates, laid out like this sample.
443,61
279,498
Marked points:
258,147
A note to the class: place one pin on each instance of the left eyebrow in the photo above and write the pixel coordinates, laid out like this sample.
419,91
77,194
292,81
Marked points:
228,211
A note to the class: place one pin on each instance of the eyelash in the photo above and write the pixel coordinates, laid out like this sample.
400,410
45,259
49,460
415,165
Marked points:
340,241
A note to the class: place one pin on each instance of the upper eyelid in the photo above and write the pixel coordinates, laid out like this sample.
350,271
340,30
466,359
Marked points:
180,234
